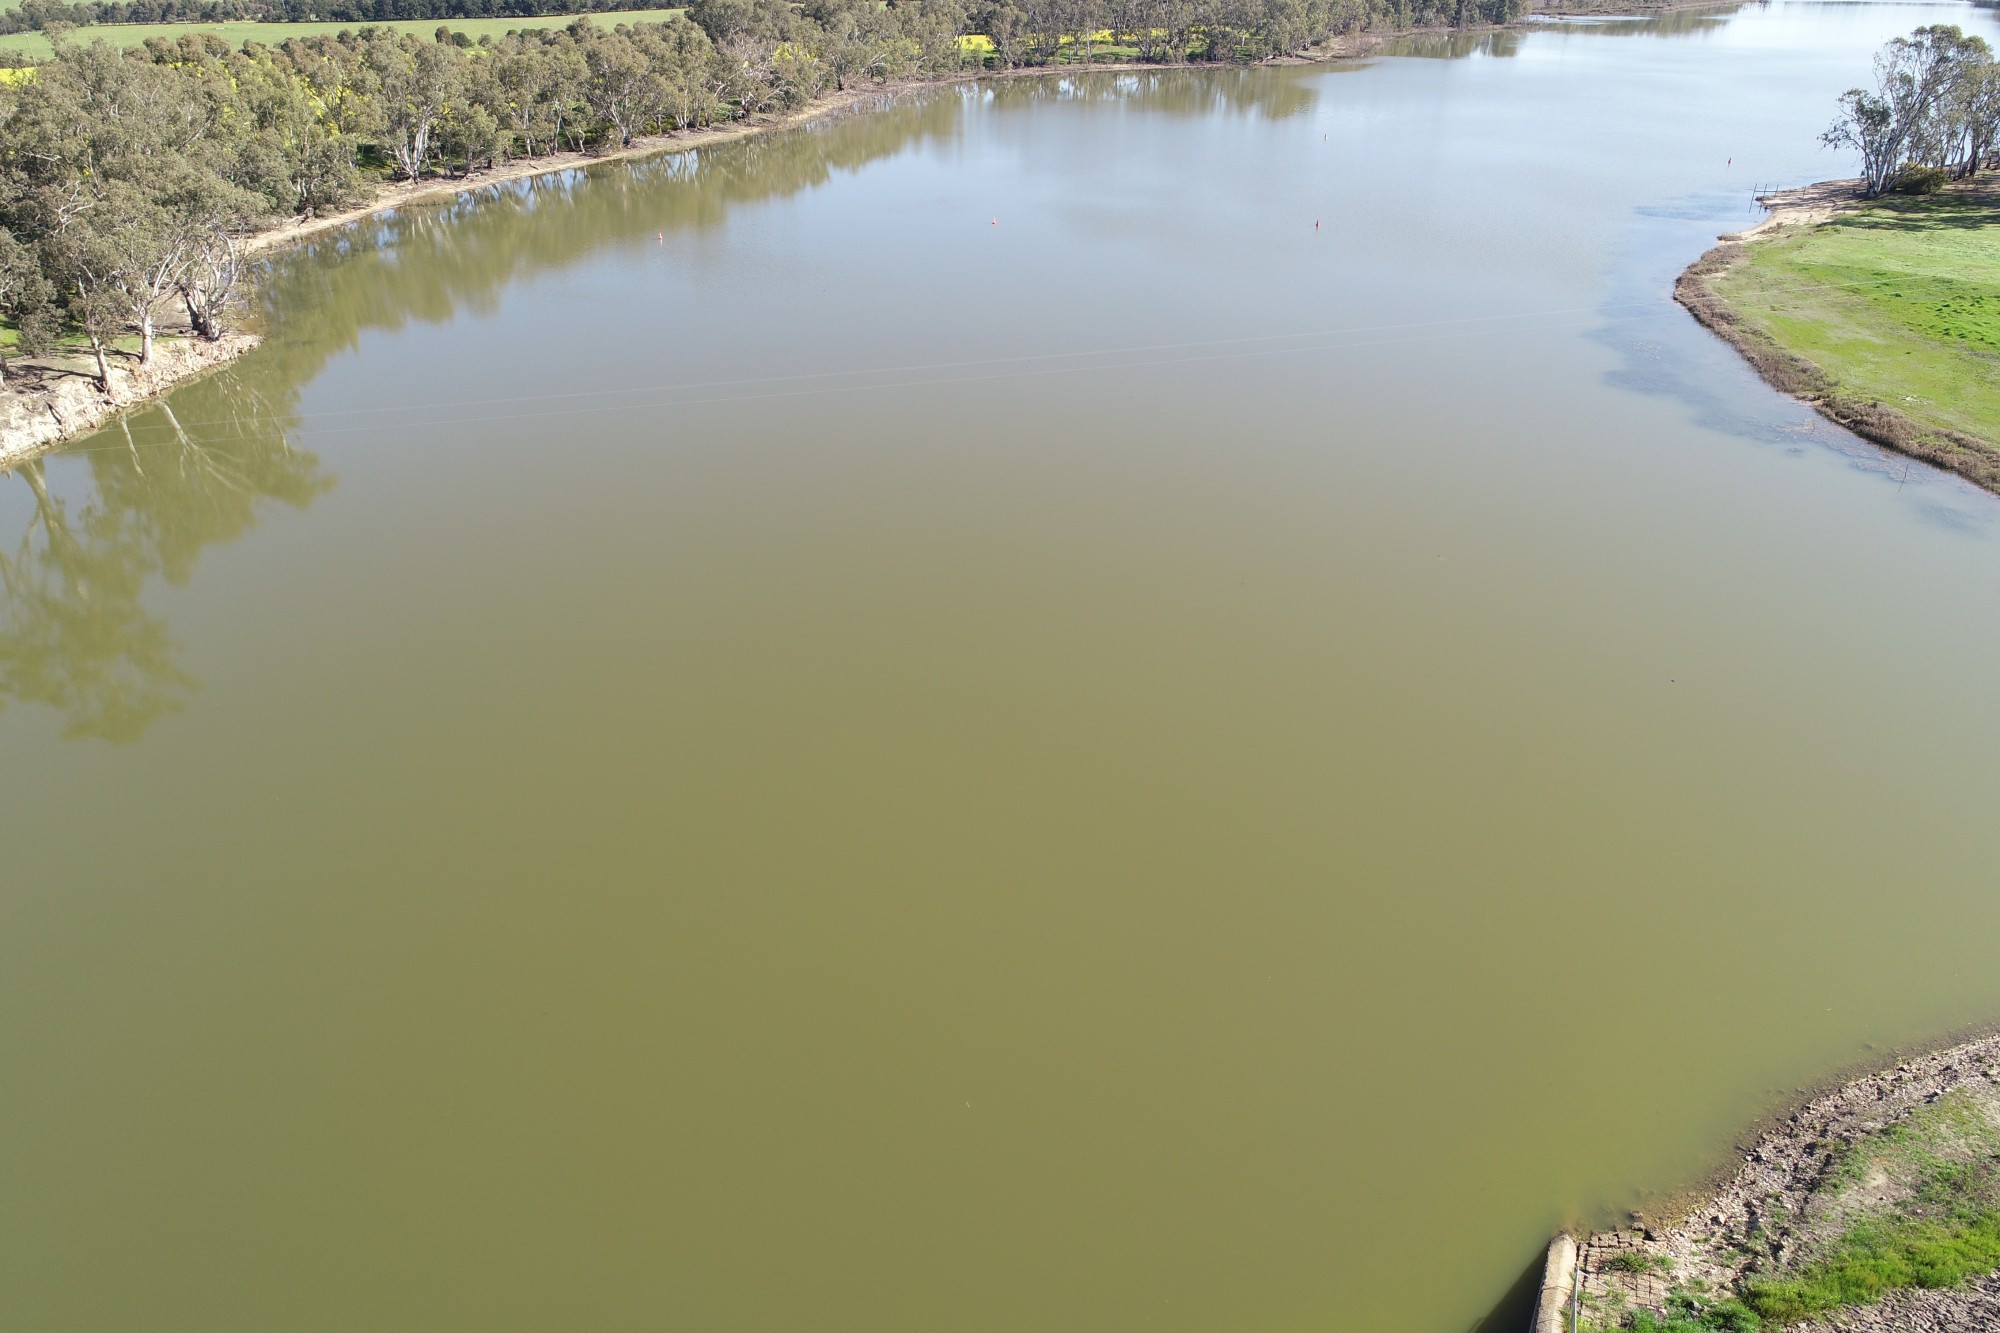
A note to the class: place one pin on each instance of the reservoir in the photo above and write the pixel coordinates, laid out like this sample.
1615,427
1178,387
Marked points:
1165,700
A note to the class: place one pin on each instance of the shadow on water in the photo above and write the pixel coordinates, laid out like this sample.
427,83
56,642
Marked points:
1515,1310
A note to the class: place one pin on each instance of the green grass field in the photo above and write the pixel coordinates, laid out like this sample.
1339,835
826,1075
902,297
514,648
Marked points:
1899,302
36,46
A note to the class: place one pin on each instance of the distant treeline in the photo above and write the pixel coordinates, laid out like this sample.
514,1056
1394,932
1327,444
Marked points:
128,177
36,15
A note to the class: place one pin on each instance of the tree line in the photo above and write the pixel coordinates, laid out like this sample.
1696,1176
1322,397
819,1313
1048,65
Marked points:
129,178
1933,114
36,15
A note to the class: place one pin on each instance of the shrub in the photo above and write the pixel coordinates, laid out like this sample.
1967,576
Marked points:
1919,180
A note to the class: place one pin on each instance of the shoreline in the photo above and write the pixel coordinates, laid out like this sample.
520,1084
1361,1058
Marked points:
1966,456
65,404
1704,1234
40,420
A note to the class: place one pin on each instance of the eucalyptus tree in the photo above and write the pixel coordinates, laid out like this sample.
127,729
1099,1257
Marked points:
24,297
209,283
1983,138
681,55
338,80
517,82
1972,110
843,40
723,20
420,82
622,90
1906,118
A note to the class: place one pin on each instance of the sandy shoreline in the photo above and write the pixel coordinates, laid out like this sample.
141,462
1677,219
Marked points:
1806,206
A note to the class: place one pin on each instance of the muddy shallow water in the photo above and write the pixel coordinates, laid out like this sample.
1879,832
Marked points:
1165,701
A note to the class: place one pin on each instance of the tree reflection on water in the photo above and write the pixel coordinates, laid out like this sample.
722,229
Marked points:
76,633
135,505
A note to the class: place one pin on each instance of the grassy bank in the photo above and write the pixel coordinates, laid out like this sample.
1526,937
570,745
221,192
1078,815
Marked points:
1886,316
36,46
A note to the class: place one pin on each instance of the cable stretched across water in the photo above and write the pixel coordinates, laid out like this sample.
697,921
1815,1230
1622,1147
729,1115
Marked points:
1001,368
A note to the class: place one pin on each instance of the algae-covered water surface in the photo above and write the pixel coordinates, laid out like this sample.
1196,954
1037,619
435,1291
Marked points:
1160,701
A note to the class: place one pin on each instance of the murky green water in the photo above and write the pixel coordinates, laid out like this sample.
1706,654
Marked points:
965,721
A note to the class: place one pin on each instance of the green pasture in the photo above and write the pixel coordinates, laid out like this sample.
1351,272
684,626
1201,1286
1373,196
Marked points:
1898,301
36,46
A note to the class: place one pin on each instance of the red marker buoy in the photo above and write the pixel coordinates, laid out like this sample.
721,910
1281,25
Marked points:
996,222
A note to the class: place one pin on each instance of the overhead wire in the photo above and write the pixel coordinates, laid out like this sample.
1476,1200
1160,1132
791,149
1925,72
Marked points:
1022,365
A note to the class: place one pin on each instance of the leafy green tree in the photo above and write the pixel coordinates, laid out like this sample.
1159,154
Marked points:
420,83
24,296
1905,119
622,90
723,20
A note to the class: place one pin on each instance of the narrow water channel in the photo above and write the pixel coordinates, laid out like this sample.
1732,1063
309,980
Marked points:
1169,701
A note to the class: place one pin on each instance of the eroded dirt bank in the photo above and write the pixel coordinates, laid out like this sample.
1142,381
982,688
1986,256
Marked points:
60,405
1861,1155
